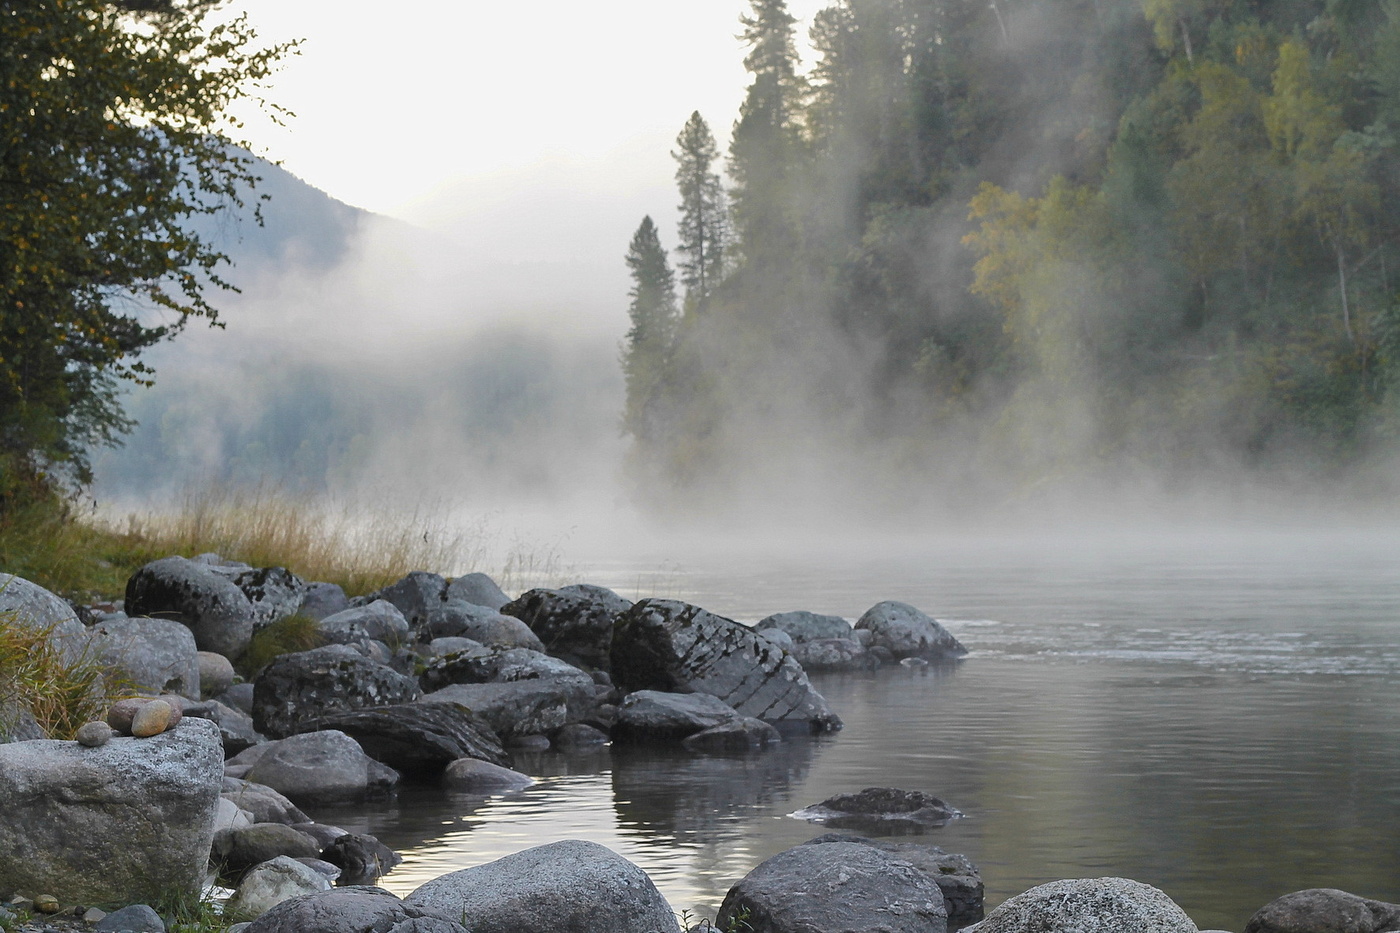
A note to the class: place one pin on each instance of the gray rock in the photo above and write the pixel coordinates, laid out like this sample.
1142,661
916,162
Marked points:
323,599
414,595
1324,910
298,688
856,888
736,737
230,815
323,868
441,647
156,655
578,737
880,808
239,696
777,638
526,707
1089,905
36,608
802,626
266,804
477,589
834,654
907,632
275,593
564,887
135,918
419,739
216,673
210,605
235,726
955,875
672,646
269,884
360,857
133,819
352,910
456,618
323,833
499,665
17,724
471,776
239,848
380,620
326,765
575,623
656,716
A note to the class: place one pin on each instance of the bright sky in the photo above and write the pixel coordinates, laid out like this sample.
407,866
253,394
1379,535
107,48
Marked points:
421,109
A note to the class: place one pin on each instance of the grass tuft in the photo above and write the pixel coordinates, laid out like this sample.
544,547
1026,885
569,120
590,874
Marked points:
61,693
285,636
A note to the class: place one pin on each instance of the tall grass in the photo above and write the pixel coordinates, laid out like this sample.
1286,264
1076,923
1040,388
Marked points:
36,674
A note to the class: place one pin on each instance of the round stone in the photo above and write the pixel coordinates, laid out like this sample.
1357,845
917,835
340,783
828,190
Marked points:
151,719
120,715
94,734
46,904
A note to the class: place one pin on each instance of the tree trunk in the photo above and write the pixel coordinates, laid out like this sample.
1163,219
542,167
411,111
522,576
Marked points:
1342,287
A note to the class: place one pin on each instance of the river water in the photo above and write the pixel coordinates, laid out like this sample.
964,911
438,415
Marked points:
1214,714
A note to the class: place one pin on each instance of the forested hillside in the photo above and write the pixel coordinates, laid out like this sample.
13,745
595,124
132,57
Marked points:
999,245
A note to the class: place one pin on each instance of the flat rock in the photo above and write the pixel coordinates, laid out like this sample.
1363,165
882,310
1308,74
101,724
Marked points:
418,738
738,736
657,716
1088,905
880,808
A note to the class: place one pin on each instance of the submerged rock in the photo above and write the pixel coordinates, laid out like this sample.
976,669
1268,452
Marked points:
879,808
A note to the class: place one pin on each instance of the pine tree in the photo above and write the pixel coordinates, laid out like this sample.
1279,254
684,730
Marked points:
702,221
648,341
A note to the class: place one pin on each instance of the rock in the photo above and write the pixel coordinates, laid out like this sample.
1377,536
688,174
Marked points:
319,766
323,868
360,857
835,654
90,916
735,737
777,638
477,589
577,737
320,600
907,632
298,688
156,655
135,918
1324,910
499,665
230,815
238,849
35,608
352,910
18,724
414,596
321,832
265,803
235,726
802,626
655,716
955,875
455,618
271,883
528,743
879,808
480,777
575,623
94,734
210,605
441,647
275,593
564,887
671,646
216,674
121,713
46,904
840,886
379,621
239,697
1089,905
526,707
151,719
133,819
421,738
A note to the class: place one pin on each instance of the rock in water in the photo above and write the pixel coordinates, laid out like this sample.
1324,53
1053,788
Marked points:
662,644
564,887
1324,910
906,632
418,738
880,808
838,886
1088,905
132,820
575,623
955,875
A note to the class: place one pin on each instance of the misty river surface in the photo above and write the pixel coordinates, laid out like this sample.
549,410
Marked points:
1216,715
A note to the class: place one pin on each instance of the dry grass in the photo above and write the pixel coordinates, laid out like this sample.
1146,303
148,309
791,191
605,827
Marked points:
60,692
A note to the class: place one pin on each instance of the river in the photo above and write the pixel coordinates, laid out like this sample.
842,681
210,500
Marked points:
1213,713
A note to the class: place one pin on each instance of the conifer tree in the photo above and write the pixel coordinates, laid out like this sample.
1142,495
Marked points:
648,341
702,221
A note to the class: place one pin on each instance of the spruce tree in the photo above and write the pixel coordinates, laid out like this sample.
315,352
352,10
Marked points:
702,221
648,342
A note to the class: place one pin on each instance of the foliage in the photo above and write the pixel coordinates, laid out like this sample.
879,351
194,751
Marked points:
702,227
114,139
61,690
653,316
285,636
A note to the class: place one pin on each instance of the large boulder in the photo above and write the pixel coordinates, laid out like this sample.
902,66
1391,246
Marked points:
840,887
523,707
575,623
802,626
649,716
456,618
415,595
352,910
271,883
881,809
131,820
485,665
380,620
298,688
320,766
275,593
1324,910
418,739
666,645
33,607
154,655
908,633
955,875
1088,905
571,886
193,594
477,589
264,803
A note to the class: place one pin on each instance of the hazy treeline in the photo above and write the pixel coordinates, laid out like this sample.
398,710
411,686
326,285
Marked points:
1025,243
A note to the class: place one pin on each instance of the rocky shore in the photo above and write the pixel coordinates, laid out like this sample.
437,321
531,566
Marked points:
200,774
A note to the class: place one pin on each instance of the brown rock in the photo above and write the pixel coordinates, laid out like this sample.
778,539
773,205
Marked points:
151,719
46,904
120,715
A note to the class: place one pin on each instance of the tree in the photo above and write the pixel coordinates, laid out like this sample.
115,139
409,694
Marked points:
114,136
648,342
702,221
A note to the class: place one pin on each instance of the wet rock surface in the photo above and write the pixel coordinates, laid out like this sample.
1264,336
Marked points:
881,809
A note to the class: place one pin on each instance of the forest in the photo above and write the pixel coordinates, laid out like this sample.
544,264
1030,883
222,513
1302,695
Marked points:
973,246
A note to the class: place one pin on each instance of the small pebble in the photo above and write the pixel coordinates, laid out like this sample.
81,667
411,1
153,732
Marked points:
46,904
93,914
94,734
151,719
120,715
